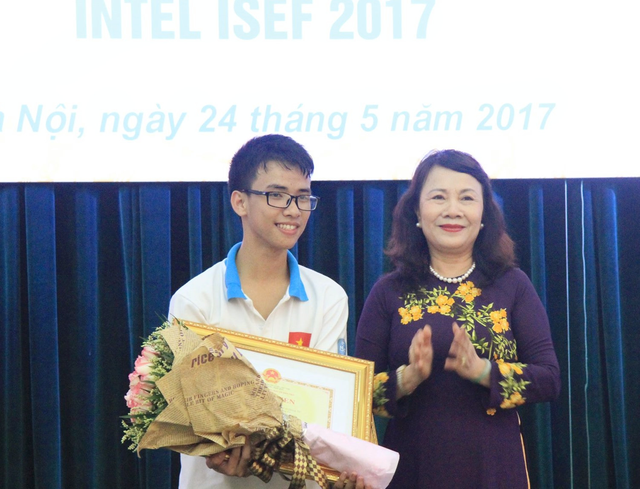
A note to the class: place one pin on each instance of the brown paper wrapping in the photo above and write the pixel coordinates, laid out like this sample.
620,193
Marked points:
215,397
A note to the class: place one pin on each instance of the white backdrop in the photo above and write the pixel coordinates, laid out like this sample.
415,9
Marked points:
168,90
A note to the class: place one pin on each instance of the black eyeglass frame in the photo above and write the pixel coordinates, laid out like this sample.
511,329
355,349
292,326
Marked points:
313,199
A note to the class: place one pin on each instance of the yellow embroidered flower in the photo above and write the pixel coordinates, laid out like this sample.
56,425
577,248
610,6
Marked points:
380,378
416,312
405,315
433,309
441,300
463,288
468,291
499,318
507,404
379,394
505,368
501,326
380,411
495,316
491,411
445,309
514,400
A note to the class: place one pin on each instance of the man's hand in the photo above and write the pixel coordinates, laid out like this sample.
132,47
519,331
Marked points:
350,481
234,462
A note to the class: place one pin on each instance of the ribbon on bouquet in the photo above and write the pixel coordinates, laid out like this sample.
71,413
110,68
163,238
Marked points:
281,445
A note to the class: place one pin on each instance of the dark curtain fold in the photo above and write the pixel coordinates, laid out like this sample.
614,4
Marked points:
607,242
537,418
150,240
87,270
44,336
346,256
16,466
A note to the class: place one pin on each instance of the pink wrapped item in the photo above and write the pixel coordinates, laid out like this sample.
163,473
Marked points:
341,452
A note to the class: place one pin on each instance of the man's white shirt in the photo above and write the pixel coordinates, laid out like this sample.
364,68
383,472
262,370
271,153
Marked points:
314,308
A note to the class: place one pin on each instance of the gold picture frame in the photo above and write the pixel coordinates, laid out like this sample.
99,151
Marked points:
339,386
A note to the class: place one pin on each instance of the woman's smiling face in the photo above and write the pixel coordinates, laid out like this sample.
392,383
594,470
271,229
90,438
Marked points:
450,211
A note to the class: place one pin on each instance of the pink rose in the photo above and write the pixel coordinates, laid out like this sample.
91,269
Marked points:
129,398
132,399
149,352
137,403
134,379
142,406
137,384
134,383
143,366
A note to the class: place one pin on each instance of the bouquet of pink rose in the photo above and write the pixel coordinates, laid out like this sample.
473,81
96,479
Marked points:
144,399
201,396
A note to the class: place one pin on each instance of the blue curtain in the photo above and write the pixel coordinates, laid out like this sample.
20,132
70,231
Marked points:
87,270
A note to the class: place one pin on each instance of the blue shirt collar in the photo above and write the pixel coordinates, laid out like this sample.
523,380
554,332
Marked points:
232,279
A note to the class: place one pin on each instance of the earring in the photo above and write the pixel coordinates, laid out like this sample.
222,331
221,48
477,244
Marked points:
418,225
481,225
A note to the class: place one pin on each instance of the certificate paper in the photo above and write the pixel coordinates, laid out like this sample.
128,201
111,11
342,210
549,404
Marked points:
313,403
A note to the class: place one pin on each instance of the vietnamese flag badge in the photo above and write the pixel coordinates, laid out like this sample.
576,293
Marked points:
300,339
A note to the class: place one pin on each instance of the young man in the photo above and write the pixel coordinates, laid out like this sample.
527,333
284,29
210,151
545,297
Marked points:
259,288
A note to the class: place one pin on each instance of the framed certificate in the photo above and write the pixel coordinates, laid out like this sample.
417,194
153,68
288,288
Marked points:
319,387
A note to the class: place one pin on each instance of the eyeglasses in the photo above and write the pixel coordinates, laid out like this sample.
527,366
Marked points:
282,200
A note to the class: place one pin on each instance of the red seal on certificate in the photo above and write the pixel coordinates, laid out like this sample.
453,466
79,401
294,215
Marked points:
271,375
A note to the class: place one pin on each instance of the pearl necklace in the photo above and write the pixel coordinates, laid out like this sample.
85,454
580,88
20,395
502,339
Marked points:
453,280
